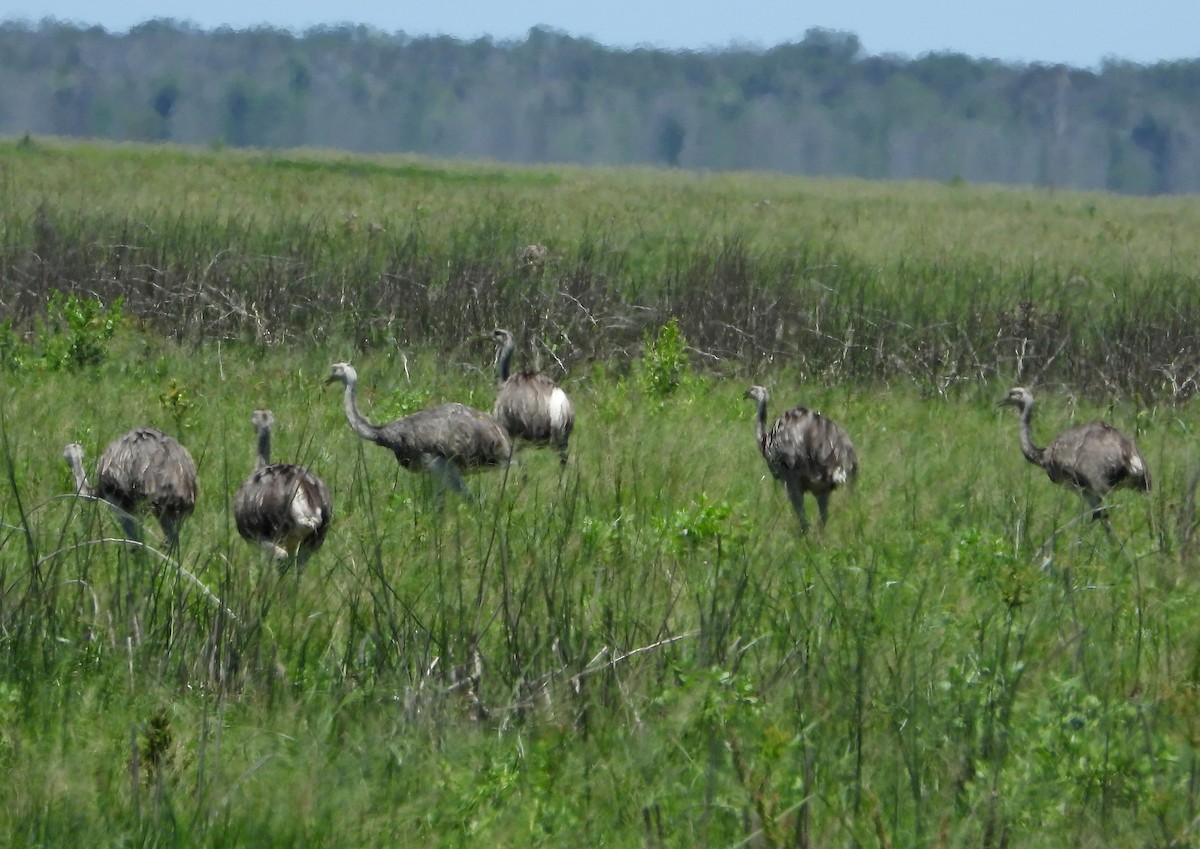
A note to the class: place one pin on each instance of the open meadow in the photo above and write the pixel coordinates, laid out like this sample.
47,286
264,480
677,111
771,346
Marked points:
641,649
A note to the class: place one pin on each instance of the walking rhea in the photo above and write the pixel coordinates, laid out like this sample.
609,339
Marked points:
445,441
806,452
283,507
143,469
1093,458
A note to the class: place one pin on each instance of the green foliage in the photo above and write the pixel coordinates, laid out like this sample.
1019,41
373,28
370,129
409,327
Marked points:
1096,746
10,701
995,566
74,334
176,402
405,400
76,331
704,525
844,281
638,650
15,351
659,659
664,366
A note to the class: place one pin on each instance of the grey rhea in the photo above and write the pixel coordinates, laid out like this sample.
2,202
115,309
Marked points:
529,405
143,469
445,441
806,451
1092,458
283,507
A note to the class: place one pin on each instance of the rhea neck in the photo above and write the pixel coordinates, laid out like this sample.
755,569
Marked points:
504,359
760,422
1032,453
264,448
358,422
75,461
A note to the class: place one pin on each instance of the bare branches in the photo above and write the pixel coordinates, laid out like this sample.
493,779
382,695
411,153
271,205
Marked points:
808,306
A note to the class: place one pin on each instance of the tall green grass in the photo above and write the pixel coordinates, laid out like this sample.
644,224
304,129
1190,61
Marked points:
644,650
937,286
641,651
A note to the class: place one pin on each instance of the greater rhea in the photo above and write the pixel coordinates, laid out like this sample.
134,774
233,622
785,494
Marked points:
445,441
529,405
283,507
806,451
1093,458
143,469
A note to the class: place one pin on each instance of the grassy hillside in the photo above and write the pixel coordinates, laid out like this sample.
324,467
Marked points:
642,651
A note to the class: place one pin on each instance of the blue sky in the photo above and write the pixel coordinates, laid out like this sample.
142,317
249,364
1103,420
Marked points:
1076,32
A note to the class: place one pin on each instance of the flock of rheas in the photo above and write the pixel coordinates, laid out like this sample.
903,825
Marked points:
287,509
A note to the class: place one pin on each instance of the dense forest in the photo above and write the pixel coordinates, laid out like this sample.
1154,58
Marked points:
820,106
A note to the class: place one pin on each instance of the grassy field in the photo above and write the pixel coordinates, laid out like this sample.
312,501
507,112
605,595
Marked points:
642,651
936,286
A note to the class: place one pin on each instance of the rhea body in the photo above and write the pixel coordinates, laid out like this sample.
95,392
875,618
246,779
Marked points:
141,470
529,405
805,451
283,507
1093,458
445,441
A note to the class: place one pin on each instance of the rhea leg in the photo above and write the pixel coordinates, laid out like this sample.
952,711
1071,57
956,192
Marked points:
823,505
1096,504
129,526
446,473
796,496
171,524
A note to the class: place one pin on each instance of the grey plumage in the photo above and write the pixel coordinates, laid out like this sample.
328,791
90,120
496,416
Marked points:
806,451
1092,458
529,405
143,469
283,507
445,441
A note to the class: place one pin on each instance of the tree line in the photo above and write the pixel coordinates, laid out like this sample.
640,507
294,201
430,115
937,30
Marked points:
819,106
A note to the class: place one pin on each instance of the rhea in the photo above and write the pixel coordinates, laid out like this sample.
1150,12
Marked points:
806,451
283,507
529,405
142,470
445,441
1093,458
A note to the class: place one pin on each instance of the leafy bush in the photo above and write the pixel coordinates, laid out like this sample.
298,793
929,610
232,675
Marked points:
664,365
74,334
14,351
76,331
176,402
703,524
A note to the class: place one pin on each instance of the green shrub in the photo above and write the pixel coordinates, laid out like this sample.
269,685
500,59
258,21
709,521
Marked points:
76,331
14,351
176,402
664,366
